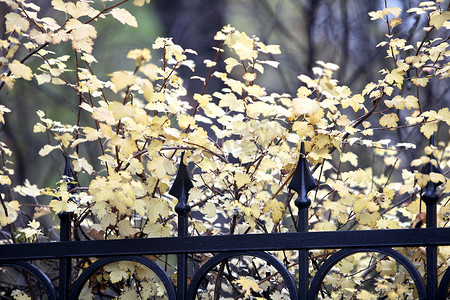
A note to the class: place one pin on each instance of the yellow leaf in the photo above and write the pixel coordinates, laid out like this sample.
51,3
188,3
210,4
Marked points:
429,128
345,266
376,15
80,31
255,90
20,70
82,163
387,267
103,114
107,220
117,275
360,204
303,129
397,101
437,177
242,45
241,179
203,100
60,205
369,219
124,16
230,64
230,100
248,285
272,49
355,102
47,149
140,55
123,79
209,63
350,157
393,10
20,295
303,91
396,21
199,227
14,205
395,77
79,9
411,102
276,208
121,111
422,179
389,120
161,166
4,179
3,109
257,108
422,81
128,147
28,190
209,209
147,88
249,77
43,78
140,3
157,230
15,22
184,121
273,64
82,35
444,115
125,228
91,133
437,19
303,105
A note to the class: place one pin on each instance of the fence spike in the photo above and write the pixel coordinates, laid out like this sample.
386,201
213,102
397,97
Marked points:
180,188
430,195
67,175
302,182
431,198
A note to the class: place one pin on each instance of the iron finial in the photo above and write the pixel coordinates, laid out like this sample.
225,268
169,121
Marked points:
180,188
430,196
302,182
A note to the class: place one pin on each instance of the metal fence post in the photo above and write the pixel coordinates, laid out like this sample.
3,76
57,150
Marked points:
180,190
430,197
302,182
65,264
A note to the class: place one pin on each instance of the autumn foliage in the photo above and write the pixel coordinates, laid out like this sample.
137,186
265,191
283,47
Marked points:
241,144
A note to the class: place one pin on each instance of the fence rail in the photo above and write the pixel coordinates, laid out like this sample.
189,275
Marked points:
249,242
228,246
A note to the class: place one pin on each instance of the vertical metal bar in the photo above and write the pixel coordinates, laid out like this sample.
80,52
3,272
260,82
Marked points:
303,272
182,272
65,264
430,197
302,182
432,277
180,190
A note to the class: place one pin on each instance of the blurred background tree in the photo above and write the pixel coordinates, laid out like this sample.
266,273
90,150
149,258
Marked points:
335,31
308,31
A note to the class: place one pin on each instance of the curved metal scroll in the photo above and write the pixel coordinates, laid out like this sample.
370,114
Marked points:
338,256
210,264
444,286
86,274
40,276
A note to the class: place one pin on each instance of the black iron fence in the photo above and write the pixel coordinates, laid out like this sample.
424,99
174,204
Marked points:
229,246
